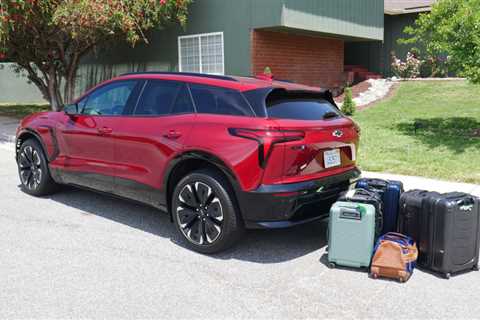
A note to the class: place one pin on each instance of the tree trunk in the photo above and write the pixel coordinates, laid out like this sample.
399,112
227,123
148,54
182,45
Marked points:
55,98
70,79
69,92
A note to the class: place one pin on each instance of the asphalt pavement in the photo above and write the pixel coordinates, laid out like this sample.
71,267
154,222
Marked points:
78,254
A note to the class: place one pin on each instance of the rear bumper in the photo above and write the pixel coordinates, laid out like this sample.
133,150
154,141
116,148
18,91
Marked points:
287,205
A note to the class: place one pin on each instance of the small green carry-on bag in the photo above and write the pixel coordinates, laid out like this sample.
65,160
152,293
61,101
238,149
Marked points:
351,234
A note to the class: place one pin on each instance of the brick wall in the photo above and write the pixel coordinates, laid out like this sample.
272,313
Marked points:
303,59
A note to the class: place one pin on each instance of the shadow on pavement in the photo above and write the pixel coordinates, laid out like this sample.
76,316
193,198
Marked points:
259,246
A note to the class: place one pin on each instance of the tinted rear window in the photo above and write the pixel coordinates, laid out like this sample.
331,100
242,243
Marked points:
220,101
302,109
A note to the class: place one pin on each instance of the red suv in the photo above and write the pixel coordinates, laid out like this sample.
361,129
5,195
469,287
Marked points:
218,153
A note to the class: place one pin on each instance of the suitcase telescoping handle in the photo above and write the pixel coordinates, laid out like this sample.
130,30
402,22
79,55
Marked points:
377,183
469,201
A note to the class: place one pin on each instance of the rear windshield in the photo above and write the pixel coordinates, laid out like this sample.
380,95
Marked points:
301,109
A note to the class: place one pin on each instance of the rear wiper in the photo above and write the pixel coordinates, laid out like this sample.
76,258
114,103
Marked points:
330,115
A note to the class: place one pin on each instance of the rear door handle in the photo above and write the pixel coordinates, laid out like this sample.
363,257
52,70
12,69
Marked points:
173,134
104,130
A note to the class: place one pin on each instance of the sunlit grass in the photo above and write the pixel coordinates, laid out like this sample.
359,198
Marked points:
426,129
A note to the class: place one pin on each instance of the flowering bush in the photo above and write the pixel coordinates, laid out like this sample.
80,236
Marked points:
452,29
408,69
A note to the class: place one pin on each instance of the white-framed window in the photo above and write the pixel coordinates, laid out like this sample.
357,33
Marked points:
201,53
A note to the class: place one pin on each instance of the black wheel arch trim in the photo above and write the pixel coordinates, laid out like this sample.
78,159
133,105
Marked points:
34,133
198,155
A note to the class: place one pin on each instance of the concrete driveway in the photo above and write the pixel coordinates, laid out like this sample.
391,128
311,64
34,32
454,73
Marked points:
78,254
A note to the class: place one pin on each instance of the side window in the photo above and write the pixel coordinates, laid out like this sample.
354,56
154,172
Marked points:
164,97
110,99
216,100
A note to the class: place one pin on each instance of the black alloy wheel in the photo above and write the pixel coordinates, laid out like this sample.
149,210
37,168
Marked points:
29,164
199,213
33,169
204,210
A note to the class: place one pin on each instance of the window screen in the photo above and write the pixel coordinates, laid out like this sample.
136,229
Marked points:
202,53
216,100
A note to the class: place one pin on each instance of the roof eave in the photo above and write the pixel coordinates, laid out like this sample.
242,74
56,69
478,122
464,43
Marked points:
403,11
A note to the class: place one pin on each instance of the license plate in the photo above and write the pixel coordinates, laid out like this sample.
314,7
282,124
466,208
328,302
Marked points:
332,158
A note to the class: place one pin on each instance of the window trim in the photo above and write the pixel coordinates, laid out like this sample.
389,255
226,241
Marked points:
199,36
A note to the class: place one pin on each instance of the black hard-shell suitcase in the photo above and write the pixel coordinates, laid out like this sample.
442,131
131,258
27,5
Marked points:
369,197
410,215
447,229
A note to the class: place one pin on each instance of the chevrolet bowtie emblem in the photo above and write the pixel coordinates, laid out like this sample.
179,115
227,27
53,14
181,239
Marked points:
337,133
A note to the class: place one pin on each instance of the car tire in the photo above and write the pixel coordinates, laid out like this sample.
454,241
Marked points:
205,212
33,170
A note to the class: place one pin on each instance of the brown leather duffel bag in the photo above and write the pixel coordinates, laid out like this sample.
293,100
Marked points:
395,256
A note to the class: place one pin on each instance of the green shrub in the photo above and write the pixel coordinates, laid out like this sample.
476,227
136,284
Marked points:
349,107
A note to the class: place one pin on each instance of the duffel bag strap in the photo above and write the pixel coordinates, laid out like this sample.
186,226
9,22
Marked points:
412,254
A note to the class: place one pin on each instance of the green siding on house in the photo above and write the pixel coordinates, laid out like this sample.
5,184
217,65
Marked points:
346,19
233,18
236,19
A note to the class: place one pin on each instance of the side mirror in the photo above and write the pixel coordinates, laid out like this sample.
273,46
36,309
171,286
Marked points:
71,109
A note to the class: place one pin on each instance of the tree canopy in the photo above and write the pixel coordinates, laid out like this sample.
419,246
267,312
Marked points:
451,28
46,39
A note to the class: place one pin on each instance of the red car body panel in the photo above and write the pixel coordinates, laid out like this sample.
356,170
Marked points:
143,149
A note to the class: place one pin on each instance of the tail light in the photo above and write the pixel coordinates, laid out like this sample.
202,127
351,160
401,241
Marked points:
357,129
266,139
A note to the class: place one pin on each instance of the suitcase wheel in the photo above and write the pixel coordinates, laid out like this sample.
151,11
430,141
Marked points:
374,275
447,275
401,279
332,265
475,268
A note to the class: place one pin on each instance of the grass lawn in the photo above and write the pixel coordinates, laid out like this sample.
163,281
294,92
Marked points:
446,142
21,110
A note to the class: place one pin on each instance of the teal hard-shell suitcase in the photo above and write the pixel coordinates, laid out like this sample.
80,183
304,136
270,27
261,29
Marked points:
351,234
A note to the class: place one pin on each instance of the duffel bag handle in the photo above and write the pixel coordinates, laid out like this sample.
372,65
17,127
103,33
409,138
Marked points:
394,236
